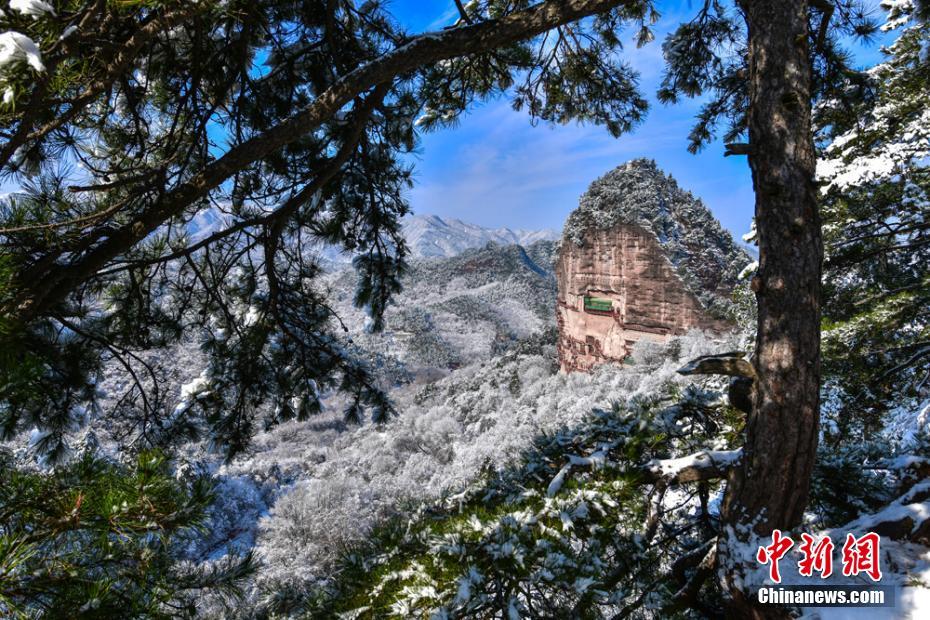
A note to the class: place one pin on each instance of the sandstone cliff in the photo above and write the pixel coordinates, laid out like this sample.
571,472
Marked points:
640,259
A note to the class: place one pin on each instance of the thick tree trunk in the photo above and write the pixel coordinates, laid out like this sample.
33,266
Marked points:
770,489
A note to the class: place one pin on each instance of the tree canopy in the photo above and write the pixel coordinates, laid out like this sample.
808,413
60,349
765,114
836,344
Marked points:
876,183
180,162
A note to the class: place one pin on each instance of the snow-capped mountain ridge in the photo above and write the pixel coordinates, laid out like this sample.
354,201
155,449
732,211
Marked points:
428,236
432,236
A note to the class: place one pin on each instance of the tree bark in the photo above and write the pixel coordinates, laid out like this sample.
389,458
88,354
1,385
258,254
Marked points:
770,489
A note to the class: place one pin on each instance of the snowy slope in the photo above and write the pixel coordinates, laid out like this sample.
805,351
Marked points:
308,490
457,310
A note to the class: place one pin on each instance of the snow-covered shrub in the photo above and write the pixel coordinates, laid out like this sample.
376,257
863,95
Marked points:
567,530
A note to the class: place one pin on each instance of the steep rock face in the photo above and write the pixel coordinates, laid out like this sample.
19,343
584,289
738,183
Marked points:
640,260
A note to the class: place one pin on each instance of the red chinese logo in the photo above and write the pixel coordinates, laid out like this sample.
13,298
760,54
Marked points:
818,556
773,553
861,555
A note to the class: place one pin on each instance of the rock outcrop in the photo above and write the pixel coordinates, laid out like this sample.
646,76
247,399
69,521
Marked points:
640,259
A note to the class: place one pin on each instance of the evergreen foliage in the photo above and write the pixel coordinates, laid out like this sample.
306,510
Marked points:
180,163
875,142
707,57
876,200
180,160
100,540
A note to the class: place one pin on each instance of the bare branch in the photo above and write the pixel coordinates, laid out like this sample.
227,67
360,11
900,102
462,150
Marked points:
732,364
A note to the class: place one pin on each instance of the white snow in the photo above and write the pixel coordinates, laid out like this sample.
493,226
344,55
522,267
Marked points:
899,13
596,459
748,270
68,32
190,391
670,468
906,461
898,510
34,8
16,46
558,480
433,236
340,483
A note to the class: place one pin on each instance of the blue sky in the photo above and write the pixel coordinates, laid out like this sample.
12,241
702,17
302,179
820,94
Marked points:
495,169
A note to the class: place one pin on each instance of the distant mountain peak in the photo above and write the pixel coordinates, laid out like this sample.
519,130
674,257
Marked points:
430,236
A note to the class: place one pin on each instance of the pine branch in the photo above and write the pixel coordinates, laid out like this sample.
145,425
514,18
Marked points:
53,282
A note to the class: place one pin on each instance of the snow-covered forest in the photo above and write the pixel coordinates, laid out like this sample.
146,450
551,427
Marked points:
238,379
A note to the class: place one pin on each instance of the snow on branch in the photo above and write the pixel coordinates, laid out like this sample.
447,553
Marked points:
903,462
596,459
732,364
16,46
702,465
32,8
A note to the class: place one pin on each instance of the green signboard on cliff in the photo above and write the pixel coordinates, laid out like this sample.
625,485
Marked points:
598,304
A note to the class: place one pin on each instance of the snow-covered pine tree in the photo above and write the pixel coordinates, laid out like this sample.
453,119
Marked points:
876,201
284,121
762,68
98,539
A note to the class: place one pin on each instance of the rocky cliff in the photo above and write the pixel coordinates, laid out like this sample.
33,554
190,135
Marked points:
640,259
